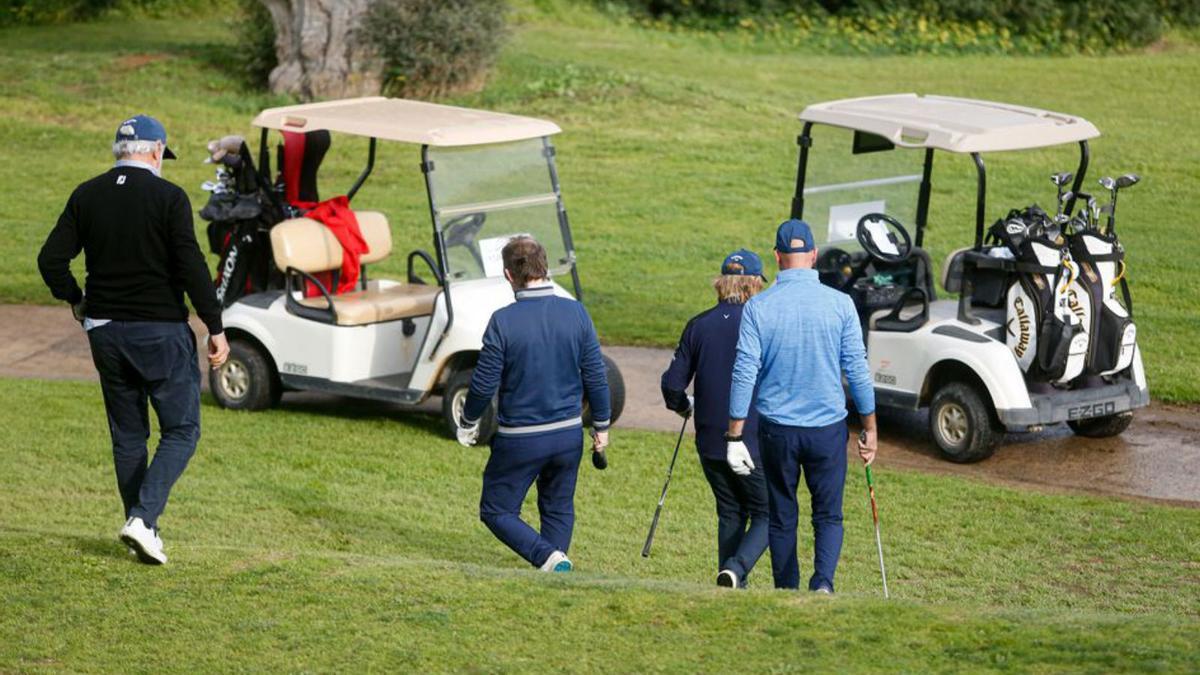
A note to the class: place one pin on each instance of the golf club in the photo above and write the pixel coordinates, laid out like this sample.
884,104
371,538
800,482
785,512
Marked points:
663,497
1114,186
1060,181
862,438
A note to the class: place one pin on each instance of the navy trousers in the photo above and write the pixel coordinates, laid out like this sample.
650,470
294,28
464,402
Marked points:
741,501
819,454
552,461
151,363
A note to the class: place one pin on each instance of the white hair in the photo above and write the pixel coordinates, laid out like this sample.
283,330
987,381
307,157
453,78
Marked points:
124,149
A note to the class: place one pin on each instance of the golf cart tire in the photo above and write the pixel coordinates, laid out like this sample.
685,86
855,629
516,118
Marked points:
1102,427
457,386
616,393
252,373
962,424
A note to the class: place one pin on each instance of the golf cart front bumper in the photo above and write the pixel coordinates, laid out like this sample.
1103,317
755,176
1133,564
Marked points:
1077,404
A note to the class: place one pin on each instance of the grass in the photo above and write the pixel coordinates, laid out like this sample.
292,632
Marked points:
678,148
323,535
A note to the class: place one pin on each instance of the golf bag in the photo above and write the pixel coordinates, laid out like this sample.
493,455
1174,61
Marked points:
1112,334
241,211
1045,307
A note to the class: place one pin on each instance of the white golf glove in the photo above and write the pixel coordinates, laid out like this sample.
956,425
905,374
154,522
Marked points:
738,456
468,435
690,406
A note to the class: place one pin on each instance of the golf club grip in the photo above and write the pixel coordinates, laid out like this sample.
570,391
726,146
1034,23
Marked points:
650,536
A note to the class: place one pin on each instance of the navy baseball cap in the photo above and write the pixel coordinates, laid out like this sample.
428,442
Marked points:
144,128
743,262
794,236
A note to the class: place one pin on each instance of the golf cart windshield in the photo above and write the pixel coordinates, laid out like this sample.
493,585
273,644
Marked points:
851,174
483,195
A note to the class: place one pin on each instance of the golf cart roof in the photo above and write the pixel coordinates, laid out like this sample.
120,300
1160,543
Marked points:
406,121
954,124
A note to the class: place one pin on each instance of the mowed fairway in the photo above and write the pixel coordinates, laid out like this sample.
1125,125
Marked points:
677,148
339,537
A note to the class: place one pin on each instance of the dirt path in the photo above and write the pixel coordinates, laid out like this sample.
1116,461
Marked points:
1157,458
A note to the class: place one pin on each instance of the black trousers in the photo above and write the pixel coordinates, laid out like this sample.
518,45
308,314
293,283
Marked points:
144,364
741,500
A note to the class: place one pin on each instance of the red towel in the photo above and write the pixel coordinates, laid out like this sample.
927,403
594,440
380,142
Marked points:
336,215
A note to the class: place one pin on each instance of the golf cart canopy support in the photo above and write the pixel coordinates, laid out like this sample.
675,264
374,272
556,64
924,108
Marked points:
406,121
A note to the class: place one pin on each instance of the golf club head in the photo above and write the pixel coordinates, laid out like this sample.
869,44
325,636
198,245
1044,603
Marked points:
599,459
1061,179
1108,183
1128,180
1066,196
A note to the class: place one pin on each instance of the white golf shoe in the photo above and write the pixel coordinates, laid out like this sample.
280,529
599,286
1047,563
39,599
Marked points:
144,542
557,562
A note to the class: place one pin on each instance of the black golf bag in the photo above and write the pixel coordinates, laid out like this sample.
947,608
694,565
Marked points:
1045,316
241,212
1112,334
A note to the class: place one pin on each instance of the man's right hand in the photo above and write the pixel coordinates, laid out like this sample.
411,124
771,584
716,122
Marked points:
218,350
868,443
738,456
468,435
79,310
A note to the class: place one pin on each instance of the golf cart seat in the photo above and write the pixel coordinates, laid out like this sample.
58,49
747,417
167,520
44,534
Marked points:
303,247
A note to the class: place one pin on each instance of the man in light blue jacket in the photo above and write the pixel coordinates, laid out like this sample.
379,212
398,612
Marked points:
797,338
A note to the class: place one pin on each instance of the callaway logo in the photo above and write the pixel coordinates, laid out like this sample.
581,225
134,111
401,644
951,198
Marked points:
1014,227
121,179
127,128
1076,307
1023,324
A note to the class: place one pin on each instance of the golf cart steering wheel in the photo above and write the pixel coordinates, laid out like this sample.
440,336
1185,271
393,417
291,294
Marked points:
897,238
461,231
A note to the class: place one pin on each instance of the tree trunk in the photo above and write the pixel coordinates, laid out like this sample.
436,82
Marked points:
319,56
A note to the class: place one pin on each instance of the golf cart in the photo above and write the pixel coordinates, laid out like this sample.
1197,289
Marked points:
488,176
1036,335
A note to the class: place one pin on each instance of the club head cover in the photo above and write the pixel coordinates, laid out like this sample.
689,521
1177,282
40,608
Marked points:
599,459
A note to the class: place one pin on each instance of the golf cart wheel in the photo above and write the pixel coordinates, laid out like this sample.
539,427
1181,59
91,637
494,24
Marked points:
962,424
453,400
616,393
1102,427
247,380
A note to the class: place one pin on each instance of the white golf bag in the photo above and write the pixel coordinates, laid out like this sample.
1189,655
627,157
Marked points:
1045,314
1112,333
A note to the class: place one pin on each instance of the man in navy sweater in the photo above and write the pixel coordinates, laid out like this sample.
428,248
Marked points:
706,353
542,355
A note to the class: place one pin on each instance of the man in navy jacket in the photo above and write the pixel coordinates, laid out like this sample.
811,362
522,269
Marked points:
541,355
706,353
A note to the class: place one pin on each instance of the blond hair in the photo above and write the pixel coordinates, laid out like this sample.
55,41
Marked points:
737,288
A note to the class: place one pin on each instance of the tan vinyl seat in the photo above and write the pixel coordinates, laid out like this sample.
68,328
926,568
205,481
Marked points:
308,246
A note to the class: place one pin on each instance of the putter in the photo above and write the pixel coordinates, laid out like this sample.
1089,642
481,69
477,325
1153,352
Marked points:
862,438
663,497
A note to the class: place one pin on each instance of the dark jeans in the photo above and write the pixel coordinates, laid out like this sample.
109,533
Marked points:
820,454
740,500
552,460
150,362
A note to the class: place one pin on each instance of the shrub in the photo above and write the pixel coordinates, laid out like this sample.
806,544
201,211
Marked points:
1035,25
255,56
431,47
14,12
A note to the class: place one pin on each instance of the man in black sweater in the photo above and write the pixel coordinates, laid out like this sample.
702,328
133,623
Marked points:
135,230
